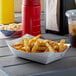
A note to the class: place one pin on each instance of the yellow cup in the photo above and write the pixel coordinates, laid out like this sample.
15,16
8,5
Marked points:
6,11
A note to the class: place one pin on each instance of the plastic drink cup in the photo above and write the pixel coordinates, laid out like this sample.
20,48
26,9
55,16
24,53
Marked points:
71,14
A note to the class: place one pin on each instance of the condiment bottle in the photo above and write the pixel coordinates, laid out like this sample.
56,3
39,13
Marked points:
31,17
6,11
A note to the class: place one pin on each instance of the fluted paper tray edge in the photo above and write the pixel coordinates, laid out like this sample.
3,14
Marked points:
44,58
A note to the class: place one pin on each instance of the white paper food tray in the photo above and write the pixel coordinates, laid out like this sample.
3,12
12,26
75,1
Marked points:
44,58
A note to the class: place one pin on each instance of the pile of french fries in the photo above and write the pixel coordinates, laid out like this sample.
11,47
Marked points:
37,45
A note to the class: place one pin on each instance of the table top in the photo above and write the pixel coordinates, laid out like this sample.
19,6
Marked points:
20,67
14,66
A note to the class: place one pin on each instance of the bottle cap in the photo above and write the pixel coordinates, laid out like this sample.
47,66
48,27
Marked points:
31,2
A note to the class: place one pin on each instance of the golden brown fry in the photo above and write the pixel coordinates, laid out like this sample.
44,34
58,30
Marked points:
50,48
34,39
61,46
41,43
26,49
41,48
17,47
35,47
37,37
19,44
54,45
21,49
26,41
26,44
47,50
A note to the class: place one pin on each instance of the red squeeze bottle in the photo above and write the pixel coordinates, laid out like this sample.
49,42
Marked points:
31,17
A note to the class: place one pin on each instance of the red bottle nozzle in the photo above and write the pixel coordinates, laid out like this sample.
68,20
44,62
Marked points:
31,2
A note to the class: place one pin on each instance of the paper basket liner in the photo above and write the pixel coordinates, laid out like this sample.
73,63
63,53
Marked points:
44,58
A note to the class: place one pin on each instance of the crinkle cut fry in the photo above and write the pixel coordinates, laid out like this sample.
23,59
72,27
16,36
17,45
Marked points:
35,47
50,48
26,44
41,48
61,46
54,45
32,41
35,39
18,44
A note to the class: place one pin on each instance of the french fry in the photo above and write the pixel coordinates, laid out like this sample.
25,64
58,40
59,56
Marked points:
50,48
26,44
35,47
37,37
17,47
54,45
61,46
31,43
26,49
41,43
47,50
18,44
41,48
22,49
26,41
34,39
